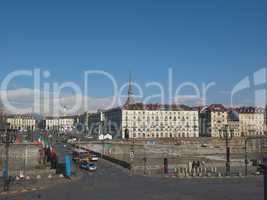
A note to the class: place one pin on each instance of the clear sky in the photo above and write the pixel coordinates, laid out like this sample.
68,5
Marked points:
203,41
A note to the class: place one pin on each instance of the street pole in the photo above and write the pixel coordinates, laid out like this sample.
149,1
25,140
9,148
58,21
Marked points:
132,154
227,164
265,182
103,148
6,167
246,158
262,141
264,167
145,160
101,134
246,149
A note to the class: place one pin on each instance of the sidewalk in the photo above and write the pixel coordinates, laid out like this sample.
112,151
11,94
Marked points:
34,184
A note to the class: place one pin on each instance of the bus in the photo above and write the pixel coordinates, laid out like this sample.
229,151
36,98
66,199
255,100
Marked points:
79,154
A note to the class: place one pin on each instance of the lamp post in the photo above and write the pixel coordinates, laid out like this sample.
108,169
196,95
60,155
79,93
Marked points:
246,157
132,154
6,139
264,167
227,136
261,138
102,132
103,148
131,149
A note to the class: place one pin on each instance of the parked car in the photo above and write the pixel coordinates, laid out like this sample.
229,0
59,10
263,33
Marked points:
94,157
92,167
88,166
204,145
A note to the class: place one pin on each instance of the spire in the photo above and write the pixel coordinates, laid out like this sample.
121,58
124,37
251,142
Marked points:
130,89
130,99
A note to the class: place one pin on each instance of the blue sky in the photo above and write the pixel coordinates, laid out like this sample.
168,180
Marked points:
203,41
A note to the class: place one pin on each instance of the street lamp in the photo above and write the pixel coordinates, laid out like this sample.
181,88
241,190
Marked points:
227,135
7,138
246,157
132,155
262,138
264,168
131,148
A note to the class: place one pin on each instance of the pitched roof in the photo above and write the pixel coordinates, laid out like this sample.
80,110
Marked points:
250,109
164,107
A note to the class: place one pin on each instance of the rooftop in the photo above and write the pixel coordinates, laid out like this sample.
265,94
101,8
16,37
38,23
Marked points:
250,109
164,107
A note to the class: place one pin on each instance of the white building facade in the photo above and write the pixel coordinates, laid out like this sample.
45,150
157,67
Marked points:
21,122
51,123
152,121
60,123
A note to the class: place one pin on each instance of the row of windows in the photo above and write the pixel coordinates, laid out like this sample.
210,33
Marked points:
30,123
157,135
161,118
14,121
251,121
27,127
163,129
160,123
159,113
251,117
219,114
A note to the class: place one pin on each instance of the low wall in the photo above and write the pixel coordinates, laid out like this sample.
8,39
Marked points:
21,156
185,146
210,152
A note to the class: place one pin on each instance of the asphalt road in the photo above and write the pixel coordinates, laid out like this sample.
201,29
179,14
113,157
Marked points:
110,182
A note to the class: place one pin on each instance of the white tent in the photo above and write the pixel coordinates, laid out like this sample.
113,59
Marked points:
101,137
107,137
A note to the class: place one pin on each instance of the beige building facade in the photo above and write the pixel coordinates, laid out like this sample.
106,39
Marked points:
251,121
213,120
216,119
